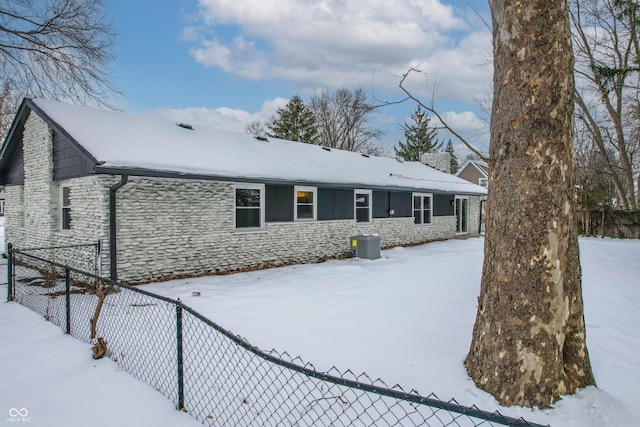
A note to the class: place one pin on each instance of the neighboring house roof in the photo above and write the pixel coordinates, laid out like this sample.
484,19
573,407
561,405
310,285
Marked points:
479,165
120,143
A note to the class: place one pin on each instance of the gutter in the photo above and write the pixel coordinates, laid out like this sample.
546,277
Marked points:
132,171
112,226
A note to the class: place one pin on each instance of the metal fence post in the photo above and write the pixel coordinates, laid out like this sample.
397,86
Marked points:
67,292
9,272
180,360
99,258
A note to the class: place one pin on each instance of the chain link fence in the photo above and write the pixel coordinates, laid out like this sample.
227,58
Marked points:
217,377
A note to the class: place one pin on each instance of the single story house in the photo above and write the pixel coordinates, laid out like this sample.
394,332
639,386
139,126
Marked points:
169,200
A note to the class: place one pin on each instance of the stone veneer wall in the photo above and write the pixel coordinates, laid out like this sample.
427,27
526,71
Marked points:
33,210
475,204
30,207
173,227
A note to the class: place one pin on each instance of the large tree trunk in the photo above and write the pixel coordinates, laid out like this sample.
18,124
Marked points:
529,344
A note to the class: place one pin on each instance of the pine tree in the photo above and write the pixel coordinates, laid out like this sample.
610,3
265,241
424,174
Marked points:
420,138
295,122
454,160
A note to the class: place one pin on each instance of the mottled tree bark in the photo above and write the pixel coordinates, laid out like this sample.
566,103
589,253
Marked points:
529,344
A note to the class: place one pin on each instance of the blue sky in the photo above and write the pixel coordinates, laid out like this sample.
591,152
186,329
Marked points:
223,63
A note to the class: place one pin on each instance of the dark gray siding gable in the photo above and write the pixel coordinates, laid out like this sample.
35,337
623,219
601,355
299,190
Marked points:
68,160
14,175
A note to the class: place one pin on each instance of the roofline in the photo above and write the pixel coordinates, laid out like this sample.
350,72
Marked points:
28,103
151,173
59,128
473,162
12,129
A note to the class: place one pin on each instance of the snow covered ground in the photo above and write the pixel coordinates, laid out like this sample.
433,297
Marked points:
406,318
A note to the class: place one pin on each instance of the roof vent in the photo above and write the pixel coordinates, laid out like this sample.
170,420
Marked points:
261,138
365,155
326,148
185,126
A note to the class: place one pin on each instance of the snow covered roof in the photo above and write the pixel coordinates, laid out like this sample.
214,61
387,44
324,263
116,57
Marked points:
144,145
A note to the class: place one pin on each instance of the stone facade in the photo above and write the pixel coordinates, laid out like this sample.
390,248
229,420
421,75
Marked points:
172,227
475,209
33,217
168,228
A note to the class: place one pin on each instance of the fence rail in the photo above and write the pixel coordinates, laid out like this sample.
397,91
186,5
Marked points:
211,373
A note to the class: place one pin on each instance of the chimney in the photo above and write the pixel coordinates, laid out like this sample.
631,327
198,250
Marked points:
440,161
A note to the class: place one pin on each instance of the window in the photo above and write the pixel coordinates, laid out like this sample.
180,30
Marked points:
363,205
483,182
249,206
422,208
66,207
306,207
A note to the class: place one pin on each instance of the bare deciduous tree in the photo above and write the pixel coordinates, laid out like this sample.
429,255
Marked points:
342,120
256,128
529,338
594,190
9,101
608,86
57,49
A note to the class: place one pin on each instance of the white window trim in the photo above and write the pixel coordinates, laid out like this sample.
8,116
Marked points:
429,195
355,208
62,207
313,190
455,213
483,182
246,186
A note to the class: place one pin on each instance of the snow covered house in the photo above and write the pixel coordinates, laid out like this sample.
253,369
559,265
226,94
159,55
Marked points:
168,200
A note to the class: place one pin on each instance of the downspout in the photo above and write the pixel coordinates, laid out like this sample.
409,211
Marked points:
481,208
112,226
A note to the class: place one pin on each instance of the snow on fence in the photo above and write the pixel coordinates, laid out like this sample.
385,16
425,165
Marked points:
217,377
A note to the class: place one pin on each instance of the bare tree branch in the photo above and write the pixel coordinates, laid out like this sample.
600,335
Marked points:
607,74
433,111
342,117
57,49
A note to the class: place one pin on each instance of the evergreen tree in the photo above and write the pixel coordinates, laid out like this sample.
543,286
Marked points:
454,160
420,138
295,122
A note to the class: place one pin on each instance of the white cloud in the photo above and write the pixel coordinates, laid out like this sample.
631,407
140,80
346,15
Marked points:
341,43
467,124
220,118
